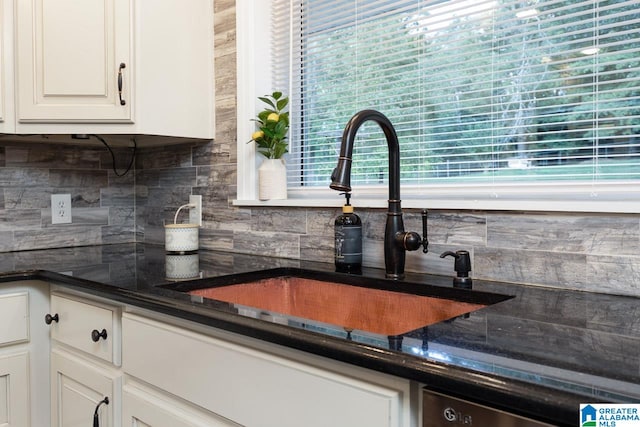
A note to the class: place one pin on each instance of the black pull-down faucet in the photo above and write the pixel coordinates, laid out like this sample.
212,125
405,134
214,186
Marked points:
396,240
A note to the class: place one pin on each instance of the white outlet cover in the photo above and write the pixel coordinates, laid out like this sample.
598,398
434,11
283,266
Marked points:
195,214
61,209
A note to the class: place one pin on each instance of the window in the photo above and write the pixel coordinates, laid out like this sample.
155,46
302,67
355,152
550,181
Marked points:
503,98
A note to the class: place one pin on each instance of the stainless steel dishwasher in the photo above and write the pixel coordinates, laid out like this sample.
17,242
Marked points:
439,410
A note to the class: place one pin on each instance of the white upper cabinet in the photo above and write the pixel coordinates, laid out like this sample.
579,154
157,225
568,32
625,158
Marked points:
114,67
68,56
175,77
7,123
2,63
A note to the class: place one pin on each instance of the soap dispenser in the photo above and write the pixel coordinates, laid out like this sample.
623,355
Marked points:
348,239
462,266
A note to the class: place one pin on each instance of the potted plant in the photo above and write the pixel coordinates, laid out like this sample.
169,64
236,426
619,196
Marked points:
271,141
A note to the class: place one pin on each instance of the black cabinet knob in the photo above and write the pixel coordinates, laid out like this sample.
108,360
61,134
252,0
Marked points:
96,335
49,318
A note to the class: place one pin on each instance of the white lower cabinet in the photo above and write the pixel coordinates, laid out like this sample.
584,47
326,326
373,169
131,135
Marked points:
255,387
85,380
173,373
14,390
14,359
24,355
78,391
143,407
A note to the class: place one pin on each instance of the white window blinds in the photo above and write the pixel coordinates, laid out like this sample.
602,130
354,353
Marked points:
501,91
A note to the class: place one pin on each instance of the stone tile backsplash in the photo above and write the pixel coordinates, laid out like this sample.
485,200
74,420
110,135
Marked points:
591,252
103,205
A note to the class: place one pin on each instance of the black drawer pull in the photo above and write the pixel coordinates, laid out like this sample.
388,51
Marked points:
49,318
95,335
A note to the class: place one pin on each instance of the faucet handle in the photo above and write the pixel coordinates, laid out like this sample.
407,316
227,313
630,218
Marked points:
425,240
411,241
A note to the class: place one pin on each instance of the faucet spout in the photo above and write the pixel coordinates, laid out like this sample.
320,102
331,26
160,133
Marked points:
341,177
396,240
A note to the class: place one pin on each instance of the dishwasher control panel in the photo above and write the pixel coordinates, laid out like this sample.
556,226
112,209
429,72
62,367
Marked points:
439,410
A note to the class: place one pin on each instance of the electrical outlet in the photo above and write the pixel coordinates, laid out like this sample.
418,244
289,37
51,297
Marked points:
195,214
61,209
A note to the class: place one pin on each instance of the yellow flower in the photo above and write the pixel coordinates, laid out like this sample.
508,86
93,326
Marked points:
273,117
257,135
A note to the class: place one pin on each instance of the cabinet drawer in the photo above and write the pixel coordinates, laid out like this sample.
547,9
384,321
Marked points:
255,388
14,318
142,406
87,326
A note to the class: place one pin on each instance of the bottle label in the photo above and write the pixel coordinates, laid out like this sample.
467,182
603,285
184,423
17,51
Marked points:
348,244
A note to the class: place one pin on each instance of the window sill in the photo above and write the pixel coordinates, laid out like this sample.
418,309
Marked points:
621,197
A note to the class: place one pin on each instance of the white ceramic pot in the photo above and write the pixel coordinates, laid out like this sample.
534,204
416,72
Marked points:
182,267
181,237
272,178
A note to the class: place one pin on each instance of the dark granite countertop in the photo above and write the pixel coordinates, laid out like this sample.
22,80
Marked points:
539,354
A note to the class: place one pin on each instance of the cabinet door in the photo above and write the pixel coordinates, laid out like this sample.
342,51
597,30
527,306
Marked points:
24,354
14,390
77,388
69,56
174,73
14,318
147,408
3,76
6,67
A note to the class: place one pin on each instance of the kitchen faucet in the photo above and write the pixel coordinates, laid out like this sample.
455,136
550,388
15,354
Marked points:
396,240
